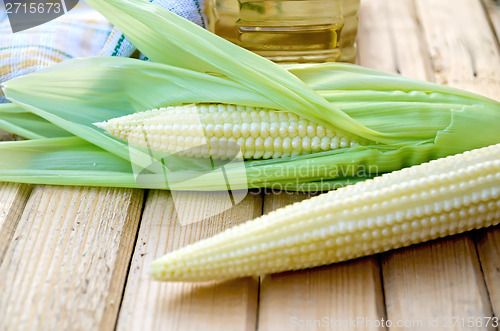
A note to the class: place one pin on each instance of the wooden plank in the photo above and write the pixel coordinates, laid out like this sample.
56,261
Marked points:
13,198
390,44
488,247
436,286
463,48
492,8
66,265
152,305
426,40
321,298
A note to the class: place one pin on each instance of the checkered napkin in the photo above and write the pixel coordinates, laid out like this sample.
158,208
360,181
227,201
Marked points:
81,32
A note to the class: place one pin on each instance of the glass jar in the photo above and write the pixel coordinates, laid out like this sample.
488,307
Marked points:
288,30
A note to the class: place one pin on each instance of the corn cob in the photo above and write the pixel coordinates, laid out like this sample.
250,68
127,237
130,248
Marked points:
424,202
216,130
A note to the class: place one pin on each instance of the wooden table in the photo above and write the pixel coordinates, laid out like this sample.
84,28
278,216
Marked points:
76,258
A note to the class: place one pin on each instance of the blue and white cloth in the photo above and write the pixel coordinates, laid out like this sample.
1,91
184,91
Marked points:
81,32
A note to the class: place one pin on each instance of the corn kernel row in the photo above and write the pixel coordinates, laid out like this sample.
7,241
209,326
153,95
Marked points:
225,130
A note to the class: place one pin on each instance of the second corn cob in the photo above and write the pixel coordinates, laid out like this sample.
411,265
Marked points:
424,202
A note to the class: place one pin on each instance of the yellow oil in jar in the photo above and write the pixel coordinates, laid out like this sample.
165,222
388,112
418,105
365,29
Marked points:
347,41
284,31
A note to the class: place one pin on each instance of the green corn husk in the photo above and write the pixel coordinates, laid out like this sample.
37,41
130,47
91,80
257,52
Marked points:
400,121
16,120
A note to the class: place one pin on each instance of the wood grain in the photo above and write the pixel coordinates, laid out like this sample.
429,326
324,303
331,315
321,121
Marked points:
321,298
152,305
66,264
436,282
488,247
13,198
463,49
492,8
426,40
390,39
